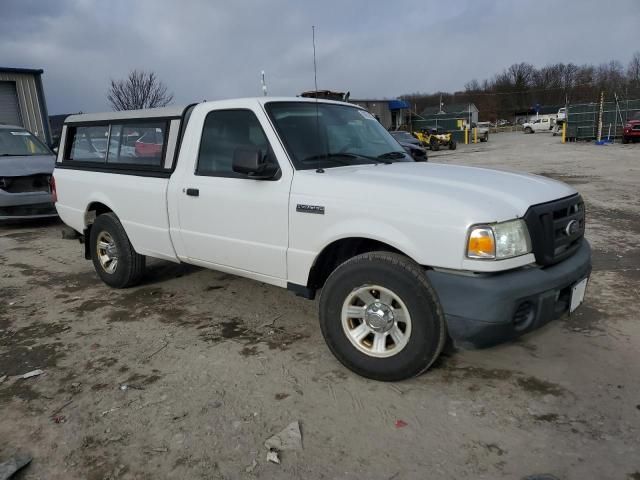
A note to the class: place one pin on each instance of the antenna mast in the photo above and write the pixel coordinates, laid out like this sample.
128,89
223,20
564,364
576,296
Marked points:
315,73
264,85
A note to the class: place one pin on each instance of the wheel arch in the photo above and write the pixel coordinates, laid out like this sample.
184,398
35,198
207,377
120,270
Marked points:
339,251
94,209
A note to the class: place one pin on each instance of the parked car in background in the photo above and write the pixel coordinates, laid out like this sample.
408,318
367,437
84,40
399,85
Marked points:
405,137
631,130
316,196
483,131
539,125
417,152
26,166
411,144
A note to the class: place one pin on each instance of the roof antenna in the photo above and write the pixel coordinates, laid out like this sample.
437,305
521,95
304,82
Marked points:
315,70
315,82
264,85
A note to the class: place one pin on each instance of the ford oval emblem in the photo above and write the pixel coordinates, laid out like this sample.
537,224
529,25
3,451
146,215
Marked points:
571,228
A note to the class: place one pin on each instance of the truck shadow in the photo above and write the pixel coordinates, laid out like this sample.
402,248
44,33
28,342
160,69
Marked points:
159,271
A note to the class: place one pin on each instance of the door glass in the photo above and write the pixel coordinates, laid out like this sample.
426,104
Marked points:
224,132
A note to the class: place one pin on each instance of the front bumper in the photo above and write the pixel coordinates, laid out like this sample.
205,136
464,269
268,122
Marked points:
22,206
631,133
483,310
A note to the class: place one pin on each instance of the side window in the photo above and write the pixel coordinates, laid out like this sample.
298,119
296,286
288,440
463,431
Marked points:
224,132
137,143
88,144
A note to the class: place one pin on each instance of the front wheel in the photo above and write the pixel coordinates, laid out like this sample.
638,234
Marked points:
381,318
453,145
114,258
528,130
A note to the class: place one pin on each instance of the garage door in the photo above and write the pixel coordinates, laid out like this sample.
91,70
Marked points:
9,110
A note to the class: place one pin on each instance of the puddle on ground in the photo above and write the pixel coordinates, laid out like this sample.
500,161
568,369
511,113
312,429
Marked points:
235,329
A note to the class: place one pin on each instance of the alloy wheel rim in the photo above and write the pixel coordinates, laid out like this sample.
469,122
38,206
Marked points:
107,252
376,321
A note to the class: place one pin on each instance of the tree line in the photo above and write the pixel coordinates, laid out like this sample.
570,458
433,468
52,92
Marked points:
522,86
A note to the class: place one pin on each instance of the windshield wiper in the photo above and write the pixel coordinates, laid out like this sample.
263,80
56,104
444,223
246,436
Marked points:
332,157
394,154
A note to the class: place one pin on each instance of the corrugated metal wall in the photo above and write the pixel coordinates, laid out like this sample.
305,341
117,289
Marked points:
29,101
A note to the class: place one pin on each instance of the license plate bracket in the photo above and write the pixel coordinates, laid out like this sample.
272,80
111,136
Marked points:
577,294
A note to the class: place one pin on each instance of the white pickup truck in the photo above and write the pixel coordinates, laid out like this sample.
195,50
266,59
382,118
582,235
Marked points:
539,125
314,196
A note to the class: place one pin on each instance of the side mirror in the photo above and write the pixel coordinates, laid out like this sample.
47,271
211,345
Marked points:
252,163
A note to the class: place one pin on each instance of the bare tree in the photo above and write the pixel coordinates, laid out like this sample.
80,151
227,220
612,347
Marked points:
139,90
633,70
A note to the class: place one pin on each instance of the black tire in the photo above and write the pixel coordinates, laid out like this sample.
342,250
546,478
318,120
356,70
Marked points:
435,144
625,139
409,282
453,145
486,137
528,130
130,264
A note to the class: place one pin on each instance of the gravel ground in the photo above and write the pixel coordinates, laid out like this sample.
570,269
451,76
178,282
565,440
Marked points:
215,364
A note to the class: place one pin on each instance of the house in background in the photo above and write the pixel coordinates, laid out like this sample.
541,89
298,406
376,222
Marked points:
392,114
454,110
22,101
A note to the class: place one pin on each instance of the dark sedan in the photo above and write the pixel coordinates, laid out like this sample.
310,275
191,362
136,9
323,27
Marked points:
411,145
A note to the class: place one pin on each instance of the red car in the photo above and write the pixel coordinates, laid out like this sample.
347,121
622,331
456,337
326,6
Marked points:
632,129
149,144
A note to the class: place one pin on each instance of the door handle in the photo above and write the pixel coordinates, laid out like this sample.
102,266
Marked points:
193,192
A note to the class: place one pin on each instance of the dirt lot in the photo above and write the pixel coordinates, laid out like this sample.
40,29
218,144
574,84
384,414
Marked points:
215,364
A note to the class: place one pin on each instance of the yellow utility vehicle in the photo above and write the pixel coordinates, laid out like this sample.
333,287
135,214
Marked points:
434,138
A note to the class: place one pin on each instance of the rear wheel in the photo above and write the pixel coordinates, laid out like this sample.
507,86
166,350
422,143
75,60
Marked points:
485,137
114,258
381,318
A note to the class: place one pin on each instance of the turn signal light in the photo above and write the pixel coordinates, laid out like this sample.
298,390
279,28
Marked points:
482,243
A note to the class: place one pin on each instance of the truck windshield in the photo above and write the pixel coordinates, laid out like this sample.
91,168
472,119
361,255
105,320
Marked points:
323,135
20,143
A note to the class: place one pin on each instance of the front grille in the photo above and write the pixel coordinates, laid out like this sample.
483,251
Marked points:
28,210
556,229
29,183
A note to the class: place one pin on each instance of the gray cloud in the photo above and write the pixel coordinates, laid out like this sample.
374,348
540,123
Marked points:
210,50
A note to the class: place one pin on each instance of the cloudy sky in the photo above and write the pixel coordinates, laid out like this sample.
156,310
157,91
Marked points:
207,49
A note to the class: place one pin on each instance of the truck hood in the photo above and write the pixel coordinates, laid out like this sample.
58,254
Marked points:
20,166
479,194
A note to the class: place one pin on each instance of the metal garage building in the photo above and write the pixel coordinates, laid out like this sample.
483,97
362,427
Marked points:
22,101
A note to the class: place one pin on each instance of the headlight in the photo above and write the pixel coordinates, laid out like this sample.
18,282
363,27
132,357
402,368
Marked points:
498,241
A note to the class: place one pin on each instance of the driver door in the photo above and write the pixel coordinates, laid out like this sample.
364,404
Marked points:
228,219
